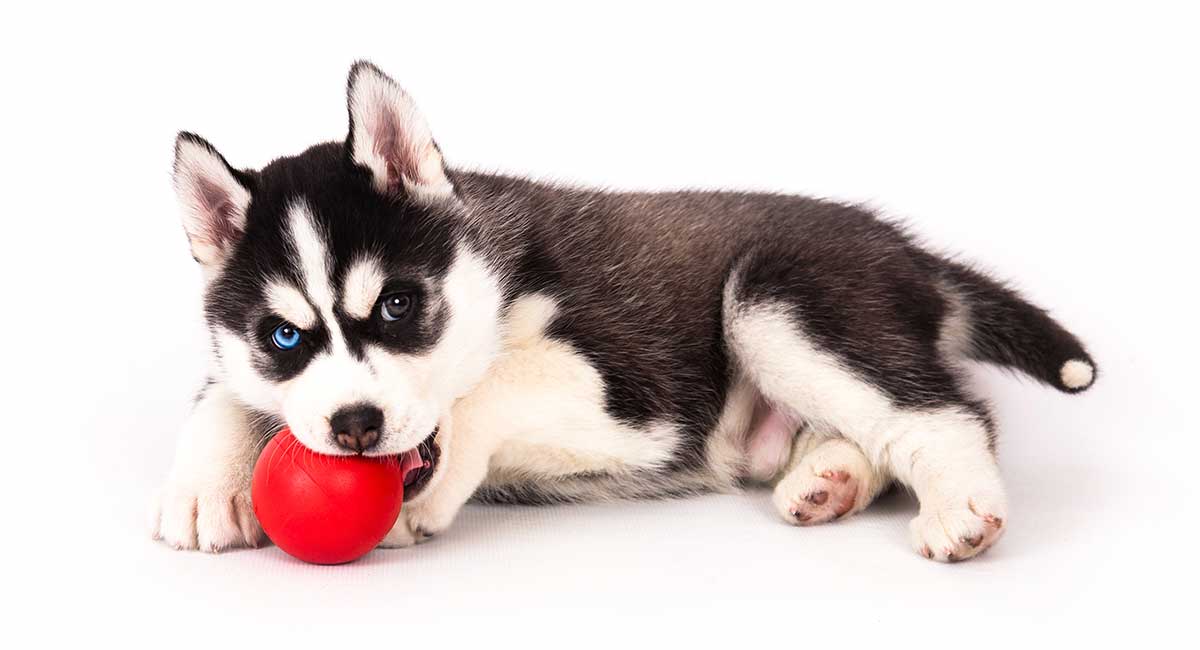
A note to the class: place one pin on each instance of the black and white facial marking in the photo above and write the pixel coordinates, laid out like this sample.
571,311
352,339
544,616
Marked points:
337,281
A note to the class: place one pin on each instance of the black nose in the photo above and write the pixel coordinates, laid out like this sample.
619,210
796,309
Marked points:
356,427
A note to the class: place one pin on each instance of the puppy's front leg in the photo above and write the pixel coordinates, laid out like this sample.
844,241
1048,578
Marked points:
205,503
465,453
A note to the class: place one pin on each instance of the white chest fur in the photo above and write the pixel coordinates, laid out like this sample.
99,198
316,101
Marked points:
541,405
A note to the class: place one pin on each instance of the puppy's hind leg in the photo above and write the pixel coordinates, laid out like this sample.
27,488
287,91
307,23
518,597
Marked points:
940,448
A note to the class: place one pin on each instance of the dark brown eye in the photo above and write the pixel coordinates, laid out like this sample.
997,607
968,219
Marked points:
395,306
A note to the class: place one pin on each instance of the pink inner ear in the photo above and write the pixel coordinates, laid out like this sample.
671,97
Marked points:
391,146
222,223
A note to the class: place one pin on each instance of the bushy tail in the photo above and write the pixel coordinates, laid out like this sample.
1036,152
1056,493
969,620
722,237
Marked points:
1002,328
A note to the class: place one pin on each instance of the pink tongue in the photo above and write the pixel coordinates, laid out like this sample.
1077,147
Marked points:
410,461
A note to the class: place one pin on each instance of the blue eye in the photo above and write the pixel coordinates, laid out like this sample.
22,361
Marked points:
285,337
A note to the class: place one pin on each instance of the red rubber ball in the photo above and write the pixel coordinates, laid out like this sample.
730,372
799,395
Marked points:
324,509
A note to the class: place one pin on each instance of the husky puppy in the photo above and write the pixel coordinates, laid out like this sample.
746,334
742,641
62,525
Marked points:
524,342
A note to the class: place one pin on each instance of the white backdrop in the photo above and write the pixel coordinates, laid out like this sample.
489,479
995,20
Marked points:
1057,145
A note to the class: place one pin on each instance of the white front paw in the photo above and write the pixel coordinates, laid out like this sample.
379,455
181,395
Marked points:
417,523
400,536
427,518
209,517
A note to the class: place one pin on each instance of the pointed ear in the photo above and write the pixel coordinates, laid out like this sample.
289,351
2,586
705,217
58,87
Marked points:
214,196
389,137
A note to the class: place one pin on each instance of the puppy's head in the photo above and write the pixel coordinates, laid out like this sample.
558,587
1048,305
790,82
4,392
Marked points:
338,294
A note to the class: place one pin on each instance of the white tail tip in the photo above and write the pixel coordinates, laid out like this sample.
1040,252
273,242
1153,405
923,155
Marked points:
1077,374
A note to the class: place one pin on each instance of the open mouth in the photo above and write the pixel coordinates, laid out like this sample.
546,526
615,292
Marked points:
418,465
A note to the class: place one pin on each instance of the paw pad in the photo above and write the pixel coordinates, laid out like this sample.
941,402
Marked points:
817,498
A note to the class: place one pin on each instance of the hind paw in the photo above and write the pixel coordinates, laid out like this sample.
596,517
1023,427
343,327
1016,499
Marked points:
957,533
807,498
